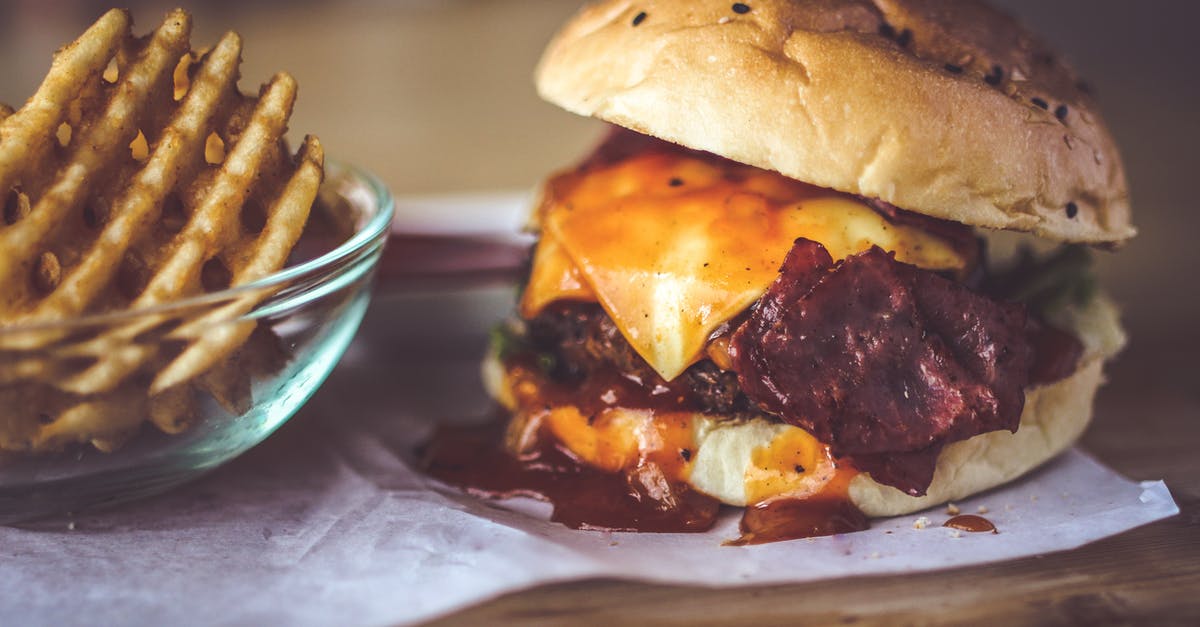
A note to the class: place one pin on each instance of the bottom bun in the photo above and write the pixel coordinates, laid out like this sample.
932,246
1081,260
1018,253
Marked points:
1054,417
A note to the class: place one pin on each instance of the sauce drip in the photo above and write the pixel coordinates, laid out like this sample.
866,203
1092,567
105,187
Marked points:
971,523
826,513
474,459
790,519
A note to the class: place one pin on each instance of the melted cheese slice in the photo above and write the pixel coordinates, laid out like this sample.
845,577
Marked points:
737,463
673,245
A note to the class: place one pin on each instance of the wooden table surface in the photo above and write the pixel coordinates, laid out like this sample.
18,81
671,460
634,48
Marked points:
436,96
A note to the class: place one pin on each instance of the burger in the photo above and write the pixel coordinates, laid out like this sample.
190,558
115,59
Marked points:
777,283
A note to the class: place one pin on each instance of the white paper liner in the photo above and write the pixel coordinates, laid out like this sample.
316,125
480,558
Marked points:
362,540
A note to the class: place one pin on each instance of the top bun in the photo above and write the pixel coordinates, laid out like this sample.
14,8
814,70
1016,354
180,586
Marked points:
950,109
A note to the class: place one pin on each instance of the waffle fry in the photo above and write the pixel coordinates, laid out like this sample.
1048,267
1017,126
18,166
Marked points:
137,176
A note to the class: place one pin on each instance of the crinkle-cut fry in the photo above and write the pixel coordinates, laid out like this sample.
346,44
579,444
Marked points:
134,212
24,410
103,421
213,225
215,221
15,369
229,382
218,332
173,410
99,144
69,72
114,440
229,386
98,229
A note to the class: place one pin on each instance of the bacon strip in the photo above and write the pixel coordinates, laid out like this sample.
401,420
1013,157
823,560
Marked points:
883,361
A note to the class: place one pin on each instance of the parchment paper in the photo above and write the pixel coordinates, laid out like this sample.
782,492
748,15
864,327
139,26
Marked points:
326,523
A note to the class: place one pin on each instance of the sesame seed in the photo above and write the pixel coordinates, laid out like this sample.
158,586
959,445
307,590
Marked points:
639,18
905,38
1039,103
675,182
1060,112
1072,209
740,9
686,454
953,69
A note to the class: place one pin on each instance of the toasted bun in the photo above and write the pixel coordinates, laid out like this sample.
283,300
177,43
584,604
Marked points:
950,109
1054,417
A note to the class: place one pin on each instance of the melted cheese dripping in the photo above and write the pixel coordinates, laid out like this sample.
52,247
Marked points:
674,245
737,463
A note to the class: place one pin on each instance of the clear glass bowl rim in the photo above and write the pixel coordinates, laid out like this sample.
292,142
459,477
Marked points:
376,228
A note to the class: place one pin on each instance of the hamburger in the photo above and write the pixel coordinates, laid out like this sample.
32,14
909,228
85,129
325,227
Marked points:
775,284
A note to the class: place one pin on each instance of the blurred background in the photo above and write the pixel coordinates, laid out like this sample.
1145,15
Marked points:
436,96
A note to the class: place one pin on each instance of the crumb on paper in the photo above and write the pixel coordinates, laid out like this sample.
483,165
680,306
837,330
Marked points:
874,555
955,533
1033,497
71,526
983,509
952,509
921,523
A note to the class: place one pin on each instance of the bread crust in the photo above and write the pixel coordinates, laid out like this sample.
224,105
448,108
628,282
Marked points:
950,109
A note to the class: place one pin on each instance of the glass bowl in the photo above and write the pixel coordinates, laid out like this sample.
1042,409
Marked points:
106,408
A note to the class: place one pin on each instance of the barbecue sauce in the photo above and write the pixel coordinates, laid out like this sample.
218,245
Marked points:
971,523
474,459
826,513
